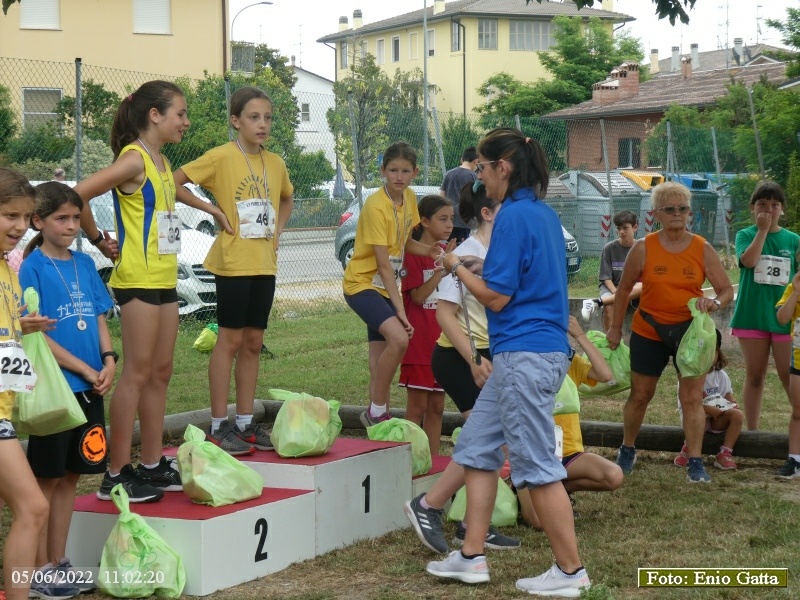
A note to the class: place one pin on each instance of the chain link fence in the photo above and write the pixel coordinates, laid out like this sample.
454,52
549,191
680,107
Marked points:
58,115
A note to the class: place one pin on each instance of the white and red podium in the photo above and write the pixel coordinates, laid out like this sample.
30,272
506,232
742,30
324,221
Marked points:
309,506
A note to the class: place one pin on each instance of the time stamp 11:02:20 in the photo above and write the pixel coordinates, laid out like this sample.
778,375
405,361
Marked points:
76,576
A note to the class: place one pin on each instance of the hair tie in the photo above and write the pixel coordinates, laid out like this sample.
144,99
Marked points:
527,140
130,97
476,186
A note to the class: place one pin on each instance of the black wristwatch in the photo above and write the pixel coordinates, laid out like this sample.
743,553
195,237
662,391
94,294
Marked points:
110,353
97,240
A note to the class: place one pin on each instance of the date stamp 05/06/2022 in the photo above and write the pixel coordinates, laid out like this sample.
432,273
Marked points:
107,578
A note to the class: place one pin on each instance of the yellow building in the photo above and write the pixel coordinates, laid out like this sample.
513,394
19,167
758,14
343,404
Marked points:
468,41
168,37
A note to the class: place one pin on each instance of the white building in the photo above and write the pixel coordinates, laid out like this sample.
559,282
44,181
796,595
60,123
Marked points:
315,97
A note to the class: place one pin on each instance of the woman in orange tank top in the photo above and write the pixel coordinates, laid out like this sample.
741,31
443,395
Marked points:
672,265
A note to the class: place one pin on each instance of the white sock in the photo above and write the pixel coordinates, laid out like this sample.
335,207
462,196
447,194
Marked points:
377,410
242,421
216,422
150,466
795,456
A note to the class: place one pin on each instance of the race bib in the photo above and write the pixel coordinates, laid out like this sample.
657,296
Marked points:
718,401
430,301
559,441
169,232
772,270
256,219
396,262
16,371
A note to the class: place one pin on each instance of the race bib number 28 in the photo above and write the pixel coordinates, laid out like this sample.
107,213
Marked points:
772,270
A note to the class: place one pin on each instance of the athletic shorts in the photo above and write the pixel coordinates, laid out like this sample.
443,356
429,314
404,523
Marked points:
81,450
757,334
372,308
568,459
649,357
244,301
454,374
419,377
604,291
515,408
155,297
7,431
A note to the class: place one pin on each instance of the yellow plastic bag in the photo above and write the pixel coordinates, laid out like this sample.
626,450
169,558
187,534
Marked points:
618,359
305,425
212,476
698,346
400,430
506,507
207,339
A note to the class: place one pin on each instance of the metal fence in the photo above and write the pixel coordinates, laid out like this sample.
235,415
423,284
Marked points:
59,115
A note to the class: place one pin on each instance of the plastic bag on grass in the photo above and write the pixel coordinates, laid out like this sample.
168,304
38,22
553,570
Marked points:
618,359
207,339
51,407
136,561
699,344
505,509
212,476
305,425
400,430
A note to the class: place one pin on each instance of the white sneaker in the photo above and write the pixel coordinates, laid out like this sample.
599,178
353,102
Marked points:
455,566
555,583
589,306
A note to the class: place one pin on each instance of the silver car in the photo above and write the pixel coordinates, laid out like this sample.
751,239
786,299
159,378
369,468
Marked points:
345,240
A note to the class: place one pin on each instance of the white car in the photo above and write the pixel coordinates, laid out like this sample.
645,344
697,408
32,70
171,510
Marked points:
193,218
197,291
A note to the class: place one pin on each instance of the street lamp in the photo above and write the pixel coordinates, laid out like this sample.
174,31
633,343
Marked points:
241,11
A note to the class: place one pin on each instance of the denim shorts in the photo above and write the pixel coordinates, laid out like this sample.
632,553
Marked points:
515,407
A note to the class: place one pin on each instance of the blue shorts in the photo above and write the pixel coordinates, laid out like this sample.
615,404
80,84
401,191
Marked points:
515,407
374,309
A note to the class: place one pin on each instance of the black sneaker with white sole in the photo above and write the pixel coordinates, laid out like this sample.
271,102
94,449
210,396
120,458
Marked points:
494,539
789,470
137,490
427,523
164,477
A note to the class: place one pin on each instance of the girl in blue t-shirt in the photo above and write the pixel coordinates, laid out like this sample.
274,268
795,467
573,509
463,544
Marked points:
72,293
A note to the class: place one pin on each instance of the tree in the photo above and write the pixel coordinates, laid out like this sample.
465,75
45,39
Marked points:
458,133
672,9
98,107
271,58
8,126
95,155
790,30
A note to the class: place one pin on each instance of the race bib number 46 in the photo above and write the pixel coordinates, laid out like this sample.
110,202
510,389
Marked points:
256,219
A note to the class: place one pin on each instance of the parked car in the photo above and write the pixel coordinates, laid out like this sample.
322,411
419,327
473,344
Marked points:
193,218
344,241
197,291
346,233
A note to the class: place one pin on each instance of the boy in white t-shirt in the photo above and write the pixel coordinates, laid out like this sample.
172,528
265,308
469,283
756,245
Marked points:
722,413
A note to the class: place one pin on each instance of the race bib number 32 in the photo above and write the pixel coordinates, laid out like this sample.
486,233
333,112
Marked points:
169,232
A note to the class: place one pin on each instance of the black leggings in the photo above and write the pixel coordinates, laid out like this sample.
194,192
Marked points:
453,373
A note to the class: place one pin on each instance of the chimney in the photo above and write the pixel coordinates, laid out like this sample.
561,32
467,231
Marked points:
358,20
737,48
438,6
654,68
686,67
676,57
343,24
695,57
621,83
292,59
608,5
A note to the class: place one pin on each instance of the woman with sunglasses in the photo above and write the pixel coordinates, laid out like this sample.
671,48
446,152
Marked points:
672,265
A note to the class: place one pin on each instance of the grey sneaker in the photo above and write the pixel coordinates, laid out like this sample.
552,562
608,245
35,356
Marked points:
789,470
427,523
86,586
257,435
455,566
227,439
696,472
367,420
626,458
164,477
48,584
555,583
494,539
137,490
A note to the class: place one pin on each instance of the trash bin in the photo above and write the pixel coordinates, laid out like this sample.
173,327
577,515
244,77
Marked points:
704,204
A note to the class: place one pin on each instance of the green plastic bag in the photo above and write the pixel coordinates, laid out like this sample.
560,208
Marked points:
567,400
506,507
618,359
136,561
51,407
699,344
212,476
207,339
400,430
305,425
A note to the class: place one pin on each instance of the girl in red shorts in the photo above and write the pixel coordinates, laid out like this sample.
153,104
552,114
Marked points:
425,397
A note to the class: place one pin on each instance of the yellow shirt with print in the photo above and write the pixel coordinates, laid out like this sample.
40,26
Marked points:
9,320
795,315
571,424
381,223
224,172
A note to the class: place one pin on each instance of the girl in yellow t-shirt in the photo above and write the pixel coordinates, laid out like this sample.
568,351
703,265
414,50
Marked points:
372,278
18,487
251,185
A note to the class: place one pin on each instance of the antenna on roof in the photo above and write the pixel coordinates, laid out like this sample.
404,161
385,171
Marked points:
758,21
